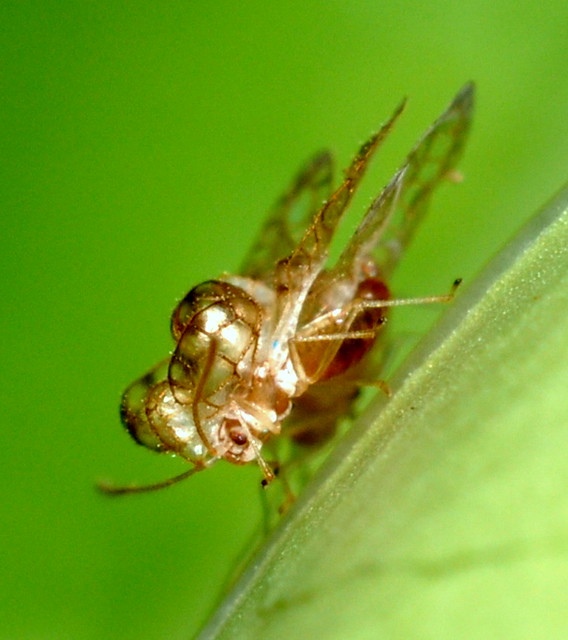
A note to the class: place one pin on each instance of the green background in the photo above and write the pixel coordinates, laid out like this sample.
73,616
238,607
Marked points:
142,144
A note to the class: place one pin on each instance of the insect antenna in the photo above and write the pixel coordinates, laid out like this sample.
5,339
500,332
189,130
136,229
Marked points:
112,490
267,472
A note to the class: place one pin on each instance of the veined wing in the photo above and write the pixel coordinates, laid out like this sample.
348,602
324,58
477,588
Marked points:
290,216
294,275
393,216
300,268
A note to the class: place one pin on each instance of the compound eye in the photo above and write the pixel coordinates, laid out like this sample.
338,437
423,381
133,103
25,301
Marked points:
238,436
235,443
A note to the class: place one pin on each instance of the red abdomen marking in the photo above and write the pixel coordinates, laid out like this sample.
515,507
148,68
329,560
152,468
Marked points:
352,350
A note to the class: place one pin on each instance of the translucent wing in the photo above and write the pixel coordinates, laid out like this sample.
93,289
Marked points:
308,257
290,216
393,216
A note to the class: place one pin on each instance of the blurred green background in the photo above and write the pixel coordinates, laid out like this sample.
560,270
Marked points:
142,144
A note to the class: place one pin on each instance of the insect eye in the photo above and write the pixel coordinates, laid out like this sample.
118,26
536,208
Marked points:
238,436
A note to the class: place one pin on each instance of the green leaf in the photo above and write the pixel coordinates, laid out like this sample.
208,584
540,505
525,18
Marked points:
443,513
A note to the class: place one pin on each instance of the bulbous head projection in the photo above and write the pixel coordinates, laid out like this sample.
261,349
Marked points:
216,327
200,410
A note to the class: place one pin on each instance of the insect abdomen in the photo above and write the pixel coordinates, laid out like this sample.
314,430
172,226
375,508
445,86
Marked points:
352,350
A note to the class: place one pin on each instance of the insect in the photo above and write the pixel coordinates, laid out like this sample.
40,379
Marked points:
280,349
